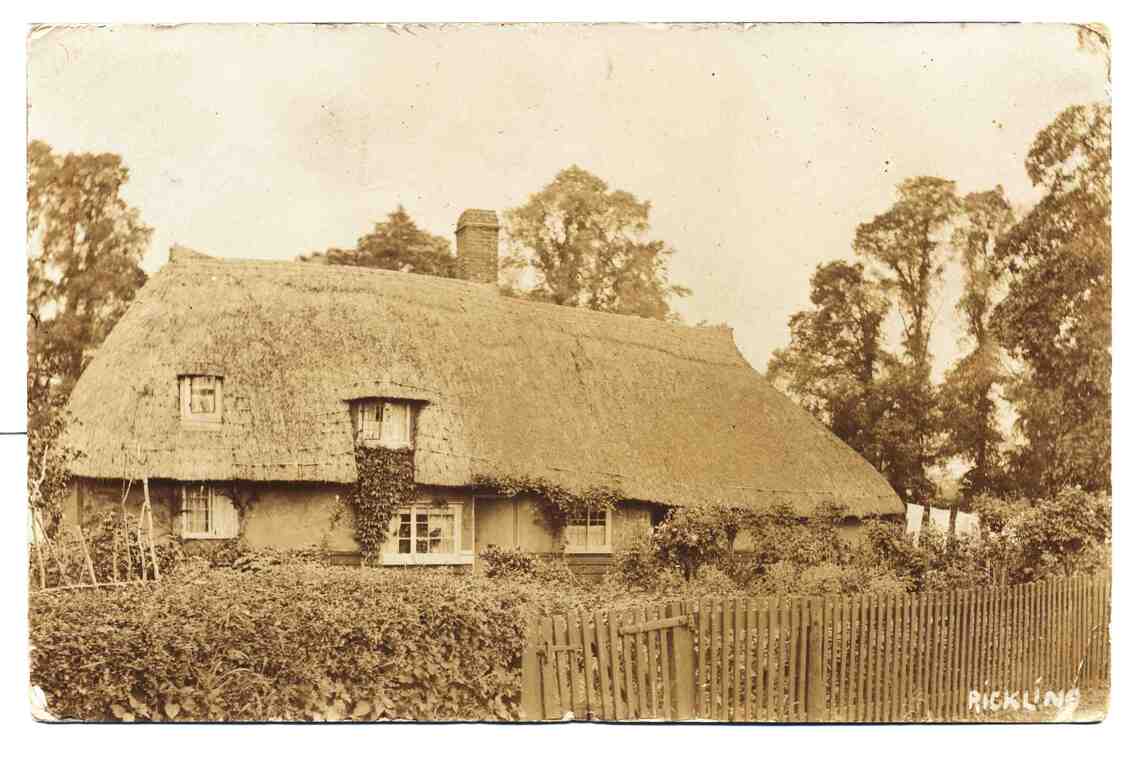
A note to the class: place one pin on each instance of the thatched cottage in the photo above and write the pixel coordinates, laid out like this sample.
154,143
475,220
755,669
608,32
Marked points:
271,375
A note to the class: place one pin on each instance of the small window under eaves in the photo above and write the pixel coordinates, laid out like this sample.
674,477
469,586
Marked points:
383,422
200,398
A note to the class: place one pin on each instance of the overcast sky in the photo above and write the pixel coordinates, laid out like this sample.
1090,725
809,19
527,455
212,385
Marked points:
761,149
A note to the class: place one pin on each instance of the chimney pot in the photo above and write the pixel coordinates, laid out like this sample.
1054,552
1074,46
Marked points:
477,246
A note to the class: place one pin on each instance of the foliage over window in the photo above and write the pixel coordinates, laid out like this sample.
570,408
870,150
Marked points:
385,482
558,504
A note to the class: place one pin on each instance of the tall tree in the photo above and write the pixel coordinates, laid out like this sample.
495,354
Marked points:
1056,317
830,366
584,245
907,244
84,248
967,397
396,244
84,245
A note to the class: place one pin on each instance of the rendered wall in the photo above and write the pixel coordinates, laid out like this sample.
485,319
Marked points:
293,516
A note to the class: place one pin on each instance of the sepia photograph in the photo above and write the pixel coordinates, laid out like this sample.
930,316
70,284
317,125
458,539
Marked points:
557,372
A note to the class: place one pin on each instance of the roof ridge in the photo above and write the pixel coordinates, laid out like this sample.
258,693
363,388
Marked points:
192,259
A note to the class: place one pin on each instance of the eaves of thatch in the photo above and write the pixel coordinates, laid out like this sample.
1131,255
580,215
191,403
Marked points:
654,411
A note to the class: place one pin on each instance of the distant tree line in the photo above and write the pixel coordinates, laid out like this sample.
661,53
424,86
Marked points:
1035,307
574,243
1035,304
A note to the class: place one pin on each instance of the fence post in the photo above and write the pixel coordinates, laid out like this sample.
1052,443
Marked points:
531,678
683,662
816,692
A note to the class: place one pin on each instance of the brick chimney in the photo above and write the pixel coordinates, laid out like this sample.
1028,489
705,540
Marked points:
477,245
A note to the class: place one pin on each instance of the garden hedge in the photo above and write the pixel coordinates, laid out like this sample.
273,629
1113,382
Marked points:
291,643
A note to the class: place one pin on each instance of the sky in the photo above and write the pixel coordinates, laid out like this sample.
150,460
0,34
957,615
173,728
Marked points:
761,149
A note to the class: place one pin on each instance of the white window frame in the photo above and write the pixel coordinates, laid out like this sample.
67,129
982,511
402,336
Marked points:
213,418
359,408
221,521
406,406
459,557
586,549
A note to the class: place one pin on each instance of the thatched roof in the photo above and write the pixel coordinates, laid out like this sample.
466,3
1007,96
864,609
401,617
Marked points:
657,411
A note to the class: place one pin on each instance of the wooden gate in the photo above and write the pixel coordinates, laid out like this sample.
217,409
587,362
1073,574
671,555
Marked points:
863,658
612,665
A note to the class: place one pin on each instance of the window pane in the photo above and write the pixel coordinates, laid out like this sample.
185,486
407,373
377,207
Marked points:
197,509
421,532
576,536
441,532
202,395
368,420
394,424
597,535
404,534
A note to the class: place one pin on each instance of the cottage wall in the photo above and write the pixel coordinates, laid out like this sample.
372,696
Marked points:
91,499
297,516
294,517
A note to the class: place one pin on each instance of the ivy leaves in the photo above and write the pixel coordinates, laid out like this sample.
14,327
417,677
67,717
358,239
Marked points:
558,504
385,482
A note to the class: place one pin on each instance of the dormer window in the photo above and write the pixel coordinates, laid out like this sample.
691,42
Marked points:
383,422
200,397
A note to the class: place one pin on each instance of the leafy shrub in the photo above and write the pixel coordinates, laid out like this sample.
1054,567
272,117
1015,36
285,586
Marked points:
106,537
712,581
785,578
635,563
781,534
554,571
499,563
691,537
521,566
1018,541
253,559
300,642
1055,535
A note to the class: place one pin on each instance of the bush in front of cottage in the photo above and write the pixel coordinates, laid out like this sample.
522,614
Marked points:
301,642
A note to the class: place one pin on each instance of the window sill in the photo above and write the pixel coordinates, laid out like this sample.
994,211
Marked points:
604,550
201,424
428,559
373,443
204,535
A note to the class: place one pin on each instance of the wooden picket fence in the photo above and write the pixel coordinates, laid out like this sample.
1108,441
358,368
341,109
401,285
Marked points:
869,658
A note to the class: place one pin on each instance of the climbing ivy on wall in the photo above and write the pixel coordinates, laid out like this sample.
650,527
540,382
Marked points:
557,503
385,481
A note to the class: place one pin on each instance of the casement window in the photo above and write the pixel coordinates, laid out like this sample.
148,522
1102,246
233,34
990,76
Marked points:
426,534
200,398
589,531
383,422
207,513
